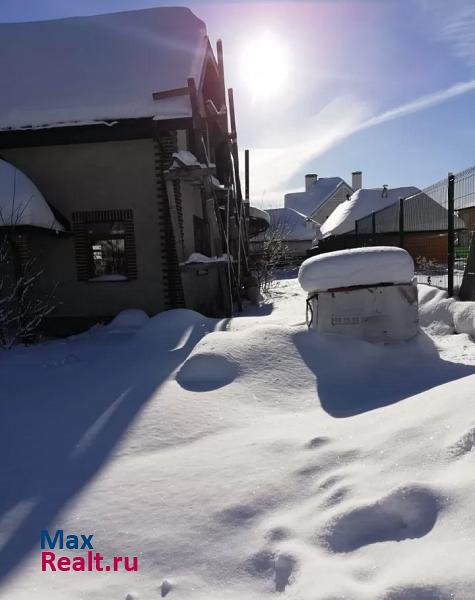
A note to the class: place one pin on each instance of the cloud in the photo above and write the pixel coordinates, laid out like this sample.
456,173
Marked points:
273,167
421,103
460,31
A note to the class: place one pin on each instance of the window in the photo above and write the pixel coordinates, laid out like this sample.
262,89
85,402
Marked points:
105,245
108,248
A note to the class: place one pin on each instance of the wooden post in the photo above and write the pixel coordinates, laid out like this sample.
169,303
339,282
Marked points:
219,52
356,235
246,182
198,141
373,228
401,222
235,152
450,233
246,174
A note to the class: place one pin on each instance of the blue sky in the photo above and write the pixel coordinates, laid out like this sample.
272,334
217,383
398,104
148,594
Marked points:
386,87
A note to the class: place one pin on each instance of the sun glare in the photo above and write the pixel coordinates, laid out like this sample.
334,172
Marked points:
264,66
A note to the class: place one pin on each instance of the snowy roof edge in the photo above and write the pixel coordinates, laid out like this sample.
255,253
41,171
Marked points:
167,108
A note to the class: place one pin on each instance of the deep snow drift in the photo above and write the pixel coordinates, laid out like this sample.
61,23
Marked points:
243,459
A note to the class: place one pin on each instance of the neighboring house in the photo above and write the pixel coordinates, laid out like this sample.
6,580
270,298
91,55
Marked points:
321,196
361,204
293,229
424,223
120,121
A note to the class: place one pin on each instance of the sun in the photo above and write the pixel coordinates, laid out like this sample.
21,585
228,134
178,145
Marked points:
264,66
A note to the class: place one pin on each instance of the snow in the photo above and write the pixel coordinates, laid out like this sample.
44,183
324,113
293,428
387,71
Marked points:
242,458
196,257
21,203
96,68
291,225
257,213
187,158
443,314
130,318
358,266
309,201
361,204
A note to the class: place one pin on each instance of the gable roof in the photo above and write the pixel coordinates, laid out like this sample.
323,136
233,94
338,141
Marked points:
97,68
362,203
292,224
309,201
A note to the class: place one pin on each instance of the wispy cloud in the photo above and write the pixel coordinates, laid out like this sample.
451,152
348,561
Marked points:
342,118
460,31
421,103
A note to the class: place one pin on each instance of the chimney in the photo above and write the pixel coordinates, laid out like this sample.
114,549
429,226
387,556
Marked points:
310,179
357,180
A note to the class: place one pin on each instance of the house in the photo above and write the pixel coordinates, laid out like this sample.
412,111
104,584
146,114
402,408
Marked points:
322,195
373,216
361,204
119,123
294,230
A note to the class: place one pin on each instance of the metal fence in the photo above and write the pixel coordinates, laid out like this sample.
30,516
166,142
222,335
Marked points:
435,226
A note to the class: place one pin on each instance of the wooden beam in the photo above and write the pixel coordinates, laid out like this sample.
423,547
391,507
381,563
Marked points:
183,91
246,174
219,52
234,146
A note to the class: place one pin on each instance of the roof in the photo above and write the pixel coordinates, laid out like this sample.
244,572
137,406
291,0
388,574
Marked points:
293,226
309,201
99,68
21,203
362,203
257,213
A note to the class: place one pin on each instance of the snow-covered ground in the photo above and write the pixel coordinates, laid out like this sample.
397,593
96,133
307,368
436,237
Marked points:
245,458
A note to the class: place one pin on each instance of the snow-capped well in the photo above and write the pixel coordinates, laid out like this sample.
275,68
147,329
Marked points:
358,266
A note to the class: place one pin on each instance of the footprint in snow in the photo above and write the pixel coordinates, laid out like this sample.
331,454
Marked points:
237,515
280,566
465,445
406,513
317,442
284,565
336,496
329,459
165,588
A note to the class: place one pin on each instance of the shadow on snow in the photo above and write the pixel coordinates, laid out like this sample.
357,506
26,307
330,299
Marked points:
58,429
353,376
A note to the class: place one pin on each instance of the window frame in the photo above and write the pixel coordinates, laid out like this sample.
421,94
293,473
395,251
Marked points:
84,241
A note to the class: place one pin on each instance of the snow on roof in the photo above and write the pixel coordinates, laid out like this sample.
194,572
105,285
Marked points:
293,225
21,203
101,67
309,201
358,266
257,213
361,204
